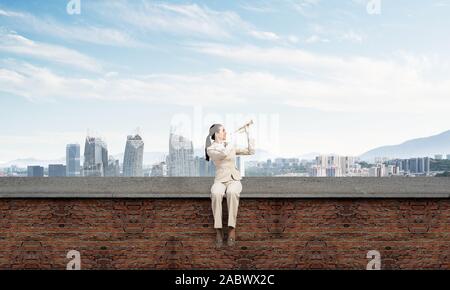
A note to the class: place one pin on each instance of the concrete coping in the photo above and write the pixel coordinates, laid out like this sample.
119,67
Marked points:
199,187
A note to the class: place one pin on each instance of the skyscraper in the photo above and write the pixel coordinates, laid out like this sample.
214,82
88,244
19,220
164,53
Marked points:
113,168
413,165
95,157
203,167
56,170
427,165
35,171
180,161
73,160
159,169
133,157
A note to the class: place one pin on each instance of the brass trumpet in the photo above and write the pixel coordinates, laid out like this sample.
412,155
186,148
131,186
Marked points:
241,129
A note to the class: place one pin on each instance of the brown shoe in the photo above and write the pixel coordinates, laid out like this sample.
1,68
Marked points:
231,242
219,239
219,244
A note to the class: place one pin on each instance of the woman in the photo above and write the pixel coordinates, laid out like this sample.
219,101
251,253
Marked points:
227,180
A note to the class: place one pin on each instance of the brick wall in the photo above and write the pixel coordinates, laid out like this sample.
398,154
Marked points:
288,233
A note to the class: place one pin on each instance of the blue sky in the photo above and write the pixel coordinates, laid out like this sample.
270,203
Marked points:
330,76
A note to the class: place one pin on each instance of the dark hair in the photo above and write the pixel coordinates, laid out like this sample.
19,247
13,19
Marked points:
213,136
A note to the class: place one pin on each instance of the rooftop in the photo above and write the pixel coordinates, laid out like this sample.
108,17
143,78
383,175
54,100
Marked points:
199,187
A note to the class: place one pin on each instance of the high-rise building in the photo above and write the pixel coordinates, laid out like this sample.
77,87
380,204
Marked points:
427,165
180,161
35,171
113,168
240,165
405,165
438,156
203,167
448,156
318,171
73,160
133,157
95,157
159,169
56,170
413,165
334,165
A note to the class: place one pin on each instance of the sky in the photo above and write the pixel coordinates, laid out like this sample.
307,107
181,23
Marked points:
316,76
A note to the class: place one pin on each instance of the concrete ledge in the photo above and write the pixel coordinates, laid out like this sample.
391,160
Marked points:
199,187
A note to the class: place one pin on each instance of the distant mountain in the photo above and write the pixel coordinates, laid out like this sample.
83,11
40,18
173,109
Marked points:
309,156
24,162
420,147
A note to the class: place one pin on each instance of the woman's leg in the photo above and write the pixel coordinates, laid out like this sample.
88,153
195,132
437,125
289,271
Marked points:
217,193
233,192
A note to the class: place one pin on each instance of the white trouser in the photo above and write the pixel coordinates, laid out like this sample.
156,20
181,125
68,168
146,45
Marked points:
232,189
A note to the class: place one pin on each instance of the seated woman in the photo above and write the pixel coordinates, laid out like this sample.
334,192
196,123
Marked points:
227,180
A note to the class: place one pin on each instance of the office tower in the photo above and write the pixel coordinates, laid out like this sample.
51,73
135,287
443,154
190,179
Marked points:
322,161
113,168
347,164
420,165
180,161
413,165
159,169
427,165
318,171
95,157
73,160
448,156
134,155
332,171
438,156
331,165
35,171
240,165
405,165
56,170
203,167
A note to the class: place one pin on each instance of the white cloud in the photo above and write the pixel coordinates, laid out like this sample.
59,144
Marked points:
18,78
189,20
315,39
17,44
260,7
8,13
264,35
84,33
337,84
304,7
345,83
353,36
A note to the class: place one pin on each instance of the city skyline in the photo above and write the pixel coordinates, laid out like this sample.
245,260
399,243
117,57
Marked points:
180,161
341,79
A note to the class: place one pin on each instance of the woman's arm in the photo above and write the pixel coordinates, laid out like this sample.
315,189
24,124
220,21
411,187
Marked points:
219,152
250,150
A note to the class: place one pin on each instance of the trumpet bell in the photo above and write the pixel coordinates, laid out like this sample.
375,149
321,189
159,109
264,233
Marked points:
241,129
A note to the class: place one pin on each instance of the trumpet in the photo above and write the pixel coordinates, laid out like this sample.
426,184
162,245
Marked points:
241,129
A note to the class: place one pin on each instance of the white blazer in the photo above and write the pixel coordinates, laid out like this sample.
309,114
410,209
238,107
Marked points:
224,157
